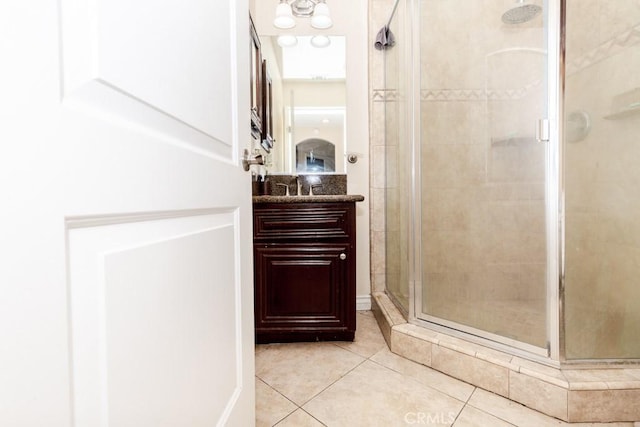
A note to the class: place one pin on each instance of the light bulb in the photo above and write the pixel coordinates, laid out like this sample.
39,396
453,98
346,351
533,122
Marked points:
321,18
284,17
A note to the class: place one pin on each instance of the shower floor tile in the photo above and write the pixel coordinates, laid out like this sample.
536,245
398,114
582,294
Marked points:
364,384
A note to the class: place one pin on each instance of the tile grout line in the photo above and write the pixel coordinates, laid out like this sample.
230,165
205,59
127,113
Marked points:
410,378
339,378
334,343
313,417
498,417
466,403
300,408
277,391
364,359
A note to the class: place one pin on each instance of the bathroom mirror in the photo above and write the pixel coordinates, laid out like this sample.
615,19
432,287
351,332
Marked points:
308,103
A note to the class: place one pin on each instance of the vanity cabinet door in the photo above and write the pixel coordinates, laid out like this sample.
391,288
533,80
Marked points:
302,289
304,262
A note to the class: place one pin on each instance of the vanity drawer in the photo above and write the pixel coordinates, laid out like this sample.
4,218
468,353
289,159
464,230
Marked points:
303,221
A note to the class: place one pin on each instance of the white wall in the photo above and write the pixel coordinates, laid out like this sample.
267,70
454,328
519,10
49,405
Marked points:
350,19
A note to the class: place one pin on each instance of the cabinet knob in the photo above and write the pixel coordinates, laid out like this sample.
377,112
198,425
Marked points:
343,256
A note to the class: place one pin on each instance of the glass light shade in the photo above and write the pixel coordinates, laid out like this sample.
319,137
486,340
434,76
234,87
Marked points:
287,40
284,17
321,18
320,41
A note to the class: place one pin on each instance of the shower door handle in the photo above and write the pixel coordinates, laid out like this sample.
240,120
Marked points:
542,130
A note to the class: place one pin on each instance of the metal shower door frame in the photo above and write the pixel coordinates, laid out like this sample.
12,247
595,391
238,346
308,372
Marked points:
554,207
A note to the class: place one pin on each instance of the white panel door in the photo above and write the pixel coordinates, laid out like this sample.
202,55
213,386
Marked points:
126,285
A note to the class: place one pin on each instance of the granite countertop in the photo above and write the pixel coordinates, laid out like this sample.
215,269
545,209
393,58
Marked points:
331,198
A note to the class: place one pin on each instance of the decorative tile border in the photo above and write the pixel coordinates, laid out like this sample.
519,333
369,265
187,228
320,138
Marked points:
434,95
444,95
385,95
609,48
453,95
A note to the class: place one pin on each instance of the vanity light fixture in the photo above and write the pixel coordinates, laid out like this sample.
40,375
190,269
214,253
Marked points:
317,10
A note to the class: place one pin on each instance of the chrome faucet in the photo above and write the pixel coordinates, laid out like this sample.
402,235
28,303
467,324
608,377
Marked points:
312,186
286,188
298,185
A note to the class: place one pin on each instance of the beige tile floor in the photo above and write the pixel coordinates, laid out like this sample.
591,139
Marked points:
364,384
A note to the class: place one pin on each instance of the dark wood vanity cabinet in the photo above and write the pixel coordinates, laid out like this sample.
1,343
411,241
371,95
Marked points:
304,261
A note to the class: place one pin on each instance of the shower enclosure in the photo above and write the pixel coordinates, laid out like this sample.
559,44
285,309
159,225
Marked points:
512,173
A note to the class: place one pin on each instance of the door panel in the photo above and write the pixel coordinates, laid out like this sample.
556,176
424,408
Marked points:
149,306
127,251
153,64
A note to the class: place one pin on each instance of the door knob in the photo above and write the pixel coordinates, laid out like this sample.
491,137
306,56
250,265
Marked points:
343,256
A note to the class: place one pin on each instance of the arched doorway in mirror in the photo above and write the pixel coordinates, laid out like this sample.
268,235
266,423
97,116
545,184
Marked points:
315,155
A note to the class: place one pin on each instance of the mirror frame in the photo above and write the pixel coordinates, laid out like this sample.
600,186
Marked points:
267,116
256,82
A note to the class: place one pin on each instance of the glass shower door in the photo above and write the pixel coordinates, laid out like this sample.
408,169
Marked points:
602,151
483,173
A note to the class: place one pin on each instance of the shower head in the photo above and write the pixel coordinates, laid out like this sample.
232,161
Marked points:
521,13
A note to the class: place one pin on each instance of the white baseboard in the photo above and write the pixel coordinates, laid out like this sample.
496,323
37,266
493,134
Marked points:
363,302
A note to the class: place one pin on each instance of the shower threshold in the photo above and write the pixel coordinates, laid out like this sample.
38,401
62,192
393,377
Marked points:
604,394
